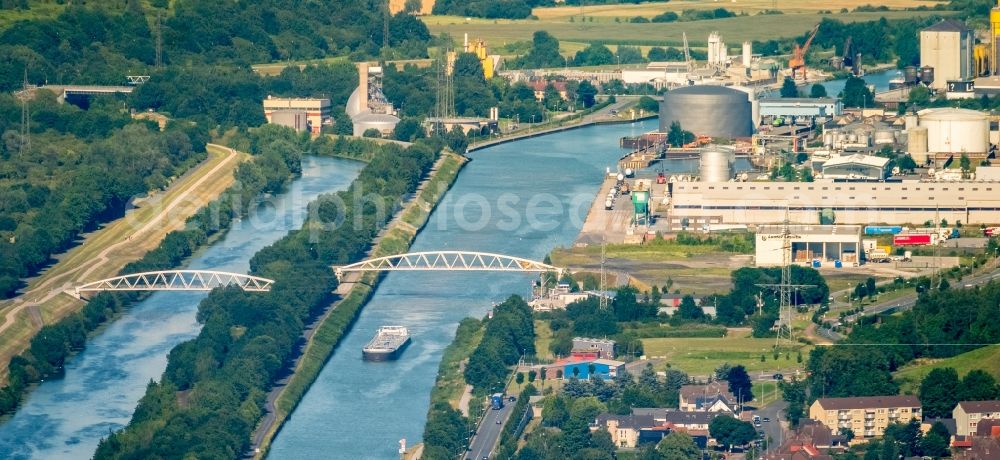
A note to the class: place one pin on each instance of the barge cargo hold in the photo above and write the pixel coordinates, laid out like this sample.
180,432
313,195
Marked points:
388,343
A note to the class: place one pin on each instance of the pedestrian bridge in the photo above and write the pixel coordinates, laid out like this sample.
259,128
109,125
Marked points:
177,280
448,261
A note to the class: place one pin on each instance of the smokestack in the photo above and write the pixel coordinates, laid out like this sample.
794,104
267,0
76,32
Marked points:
747,54
363,85
465,44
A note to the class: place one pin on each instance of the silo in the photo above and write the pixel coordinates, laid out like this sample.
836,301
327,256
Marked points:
714,111
716,164
927,75
916,144
828,139
884,137
910,74
956,131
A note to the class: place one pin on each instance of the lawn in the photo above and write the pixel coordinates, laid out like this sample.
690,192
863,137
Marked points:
605,29
986,358
701,356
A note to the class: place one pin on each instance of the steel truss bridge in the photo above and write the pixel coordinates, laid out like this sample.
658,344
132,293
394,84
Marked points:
177,280
448,261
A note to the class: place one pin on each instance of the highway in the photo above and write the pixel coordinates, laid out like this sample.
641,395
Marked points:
489,432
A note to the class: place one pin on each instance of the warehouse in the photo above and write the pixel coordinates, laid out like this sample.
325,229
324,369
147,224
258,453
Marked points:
694,204
858,166
836,245
801,107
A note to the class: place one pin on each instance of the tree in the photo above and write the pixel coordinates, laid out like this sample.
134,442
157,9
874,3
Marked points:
856,93
594,54
412,6
740,383
544,52
919,95
519,378
788,88
648,104
731,432
966,164
870,286
532,374
371,132
408,130
678,446
847,433
689,310
906,163
817,90
936,441
978,385
938,394
677,137
585,93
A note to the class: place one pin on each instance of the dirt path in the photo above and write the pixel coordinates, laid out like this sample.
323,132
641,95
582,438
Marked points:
121,245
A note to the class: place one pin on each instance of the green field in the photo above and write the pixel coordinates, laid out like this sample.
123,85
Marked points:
701,356
604,29
986,358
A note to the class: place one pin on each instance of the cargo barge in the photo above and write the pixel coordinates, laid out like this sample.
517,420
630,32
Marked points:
388,343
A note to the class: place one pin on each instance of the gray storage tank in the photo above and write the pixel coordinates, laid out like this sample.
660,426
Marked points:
707,110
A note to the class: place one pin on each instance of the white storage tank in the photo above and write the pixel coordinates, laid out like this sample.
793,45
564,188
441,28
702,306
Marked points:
951,130
716,164
884,137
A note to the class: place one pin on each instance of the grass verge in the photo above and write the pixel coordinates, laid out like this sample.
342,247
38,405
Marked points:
700,356
986,358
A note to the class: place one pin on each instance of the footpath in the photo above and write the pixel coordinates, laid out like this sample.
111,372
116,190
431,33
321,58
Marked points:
354,291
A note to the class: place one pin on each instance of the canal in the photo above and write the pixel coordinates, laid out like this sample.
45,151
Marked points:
522,198
67,417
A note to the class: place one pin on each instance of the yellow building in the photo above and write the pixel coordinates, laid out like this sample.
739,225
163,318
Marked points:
866,416
490,62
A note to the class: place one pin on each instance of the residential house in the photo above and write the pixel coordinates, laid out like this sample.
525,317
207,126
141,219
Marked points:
626,430
539,87
811,441
713,397
675,419
967,415
601,348
867,416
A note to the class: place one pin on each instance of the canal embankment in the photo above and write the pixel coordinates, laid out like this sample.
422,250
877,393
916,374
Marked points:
323,337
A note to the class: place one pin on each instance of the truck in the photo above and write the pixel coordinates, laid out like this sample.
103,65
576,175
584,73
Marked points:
991,231
497,401
883,230
877,255
913,239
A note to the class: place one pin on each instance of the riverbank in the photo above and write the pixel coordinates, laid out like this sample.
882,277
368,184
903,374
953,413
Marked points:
323,338
105,252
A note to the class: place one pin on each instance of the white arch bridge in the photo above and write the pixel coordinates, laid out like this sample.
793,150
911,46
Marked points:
177,280
448,261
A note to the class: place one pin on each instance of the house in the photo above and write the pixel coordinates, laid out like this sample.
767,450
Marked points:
600,348
539,87
866,416
967,415
811,441
713,397
626,430
979,449
675,419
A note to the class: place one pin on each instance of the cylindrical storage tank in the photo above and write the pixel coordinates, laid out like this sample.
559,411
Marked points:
910,74
927,75
916,144
911,121
714,111
716,164
884,137
827,139
956,131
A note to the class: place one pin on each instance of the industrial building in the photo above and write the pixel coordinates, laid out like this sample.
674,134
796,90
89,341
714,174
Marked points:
947,47
696,204
368,106
945,133
855,167
809,108
300,114
827,244
708,110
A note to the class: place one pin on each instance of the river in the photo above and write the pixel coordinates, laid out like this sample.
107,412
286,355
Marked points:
66,417
522,198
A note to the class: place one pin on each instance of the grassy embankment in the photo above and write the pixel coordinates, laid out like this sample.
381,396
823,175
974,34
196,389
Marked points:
700,356
396,239
106,251
986,359
576,35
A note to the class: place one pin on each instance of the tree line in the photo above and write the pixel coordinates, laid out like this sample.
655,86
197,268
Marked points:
248,338
509,336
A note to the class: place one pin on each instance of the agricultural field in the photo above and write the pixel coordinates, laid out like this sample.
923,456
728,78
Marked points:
575,35
751,7
701,356
986,358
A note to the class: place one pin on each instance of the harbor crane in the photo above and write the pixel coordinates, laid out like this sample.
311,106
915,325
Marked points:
798,59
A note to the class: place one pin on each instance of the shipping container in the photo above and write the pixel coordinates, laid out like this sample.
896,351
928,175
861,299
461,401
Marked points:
883,230
913,239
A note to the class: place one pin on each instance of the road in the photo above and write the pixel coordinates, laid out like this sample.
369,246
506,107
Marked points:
774,432
488,433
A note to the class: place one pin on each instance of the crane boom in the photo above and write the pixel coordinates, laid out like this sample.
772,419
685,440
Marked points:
798,59
687,51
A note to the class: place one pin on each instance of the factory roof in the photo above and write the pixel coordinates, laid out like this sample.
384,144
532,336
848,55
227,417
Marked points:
859,159
810,229
798,100
947,25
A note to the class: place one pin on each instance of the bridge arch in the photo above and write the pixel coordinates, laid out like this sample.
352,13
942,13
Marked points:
448,261
177,280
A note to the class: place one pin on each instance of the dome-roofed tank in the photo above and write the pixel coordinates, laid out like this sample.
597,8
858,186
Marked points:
707,110
384,123
951,130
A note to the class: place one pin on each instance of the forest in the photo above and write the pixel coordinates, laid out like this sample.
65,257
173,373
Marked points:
212,392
